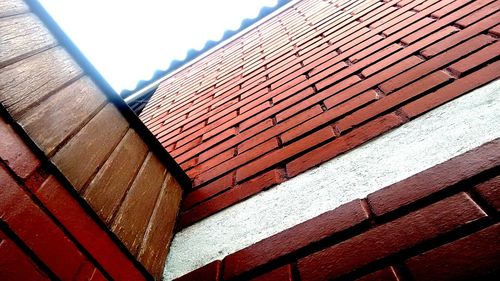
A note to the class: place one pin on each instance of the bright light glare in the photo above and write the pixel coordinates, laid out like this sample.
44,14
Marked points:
129,40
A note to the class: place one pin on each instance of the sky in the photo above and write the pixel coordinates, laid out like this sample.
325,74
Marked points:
129,40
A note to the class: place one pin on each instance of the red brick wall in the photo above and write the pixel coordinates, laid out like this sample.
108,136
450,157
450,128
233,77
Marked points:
440,224
45,232
313,82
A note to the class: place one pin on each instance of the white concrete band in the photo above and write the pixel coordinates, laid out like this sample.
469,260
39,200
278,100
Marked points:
433,138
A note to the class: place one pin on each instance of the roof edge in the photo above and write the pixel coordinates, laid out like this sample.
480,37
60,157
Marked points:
110,93
155,82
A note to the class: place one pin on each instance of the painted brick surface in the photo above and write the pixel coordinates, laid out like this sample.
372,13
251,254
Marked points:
316,80
450,232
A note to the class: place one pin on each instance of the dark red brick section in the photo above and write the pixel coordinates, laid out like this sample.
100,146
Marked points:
452,235
293,90
210,272
45,233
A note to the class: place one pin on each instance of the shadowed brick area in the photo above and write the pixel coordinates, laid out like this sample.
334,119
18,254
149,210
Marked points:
421,228
318,79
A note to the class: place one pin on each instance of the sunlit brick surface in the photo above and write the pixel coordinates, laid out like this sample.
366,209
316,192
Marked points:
314,81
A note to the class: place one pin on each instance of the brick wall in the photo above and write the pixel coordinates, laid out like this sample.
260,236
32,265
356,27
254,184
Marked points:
315,81
45,232
440,224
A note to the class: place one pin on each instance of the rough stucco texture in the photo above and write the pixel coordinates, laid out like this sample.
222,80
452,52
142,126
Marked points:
420,144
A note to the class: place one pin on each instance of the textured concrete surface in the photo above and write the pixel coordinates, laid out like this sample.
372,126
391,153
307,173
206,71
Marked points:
433,138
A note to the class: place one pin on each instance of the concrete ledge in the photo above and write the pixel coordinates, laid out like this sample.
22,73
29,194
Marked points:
433,138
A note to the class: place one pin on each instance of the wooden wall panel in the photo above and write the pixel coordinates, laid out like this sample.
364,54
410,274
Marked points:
36,77
86,137
134,214
107,190
160,229
81,157
21,36
55,119
12,7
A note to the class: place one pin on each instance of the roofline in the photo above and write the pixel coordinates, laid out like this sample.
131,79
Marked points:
151,86
113,97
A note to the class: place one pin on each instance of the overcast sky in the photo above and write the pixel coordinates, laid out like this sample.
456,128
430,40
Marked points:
128,40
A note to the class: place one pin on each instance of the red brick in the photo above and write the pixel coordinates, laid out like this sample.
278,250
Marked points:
343,144
36,229
205,145
15,264
209,272
478,15
474,257
390,238
283,273
277,156
230,197
435,63
453,90
262,126
386,274
490,191
482,56
207,191
435,179
404,94
463,35
16,154
251,122
295,238
95,240
237,161
185,145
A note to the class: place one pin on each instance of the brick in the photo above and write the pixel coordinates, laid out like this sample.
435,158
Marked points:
435,63
209,272
283,273
251,121
230,197
95,240
207,191
16,154
237,161
205,145
465,34
390,238
343,144
262,126
434,179
37,230
212,162
453,90
277,156
386,274
474,257
490,192
482,56
477,15
15,264
296,238
394,99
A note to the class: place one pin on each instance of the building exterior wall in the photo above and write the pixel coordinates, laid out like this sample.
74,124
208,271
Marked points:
85,138
401,153
320,82
440,224
311,83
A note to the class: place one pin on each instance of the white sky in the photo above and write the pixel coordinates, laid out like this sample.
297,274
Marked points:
129,40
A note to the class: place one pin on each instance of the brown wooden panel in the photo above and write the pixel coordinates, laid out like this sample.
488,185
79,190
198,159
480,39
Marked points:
106,191
80,158
134,214
12,7
26,82
154,248
22,36
60,115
